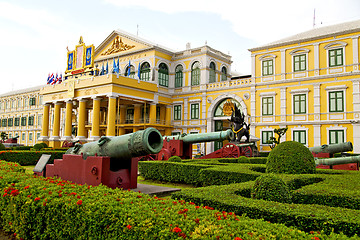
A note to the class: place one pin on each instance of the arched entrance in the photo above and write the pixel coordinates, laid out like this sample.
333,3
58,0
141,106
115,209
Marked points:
218,119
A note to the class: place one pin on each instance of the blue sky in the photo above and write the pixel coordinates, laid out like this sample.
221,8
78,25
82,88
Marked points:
34,34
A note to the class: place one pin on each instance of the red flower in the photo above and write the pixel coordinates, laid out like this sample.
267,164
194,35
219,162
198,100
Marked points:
129,226
176,229
78,196
183,211
315,238
237,238
79,202
36,199
26,187
197,220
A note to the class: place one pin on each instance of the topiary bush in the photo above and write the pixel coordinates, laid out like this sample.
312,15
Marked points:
174,159
243,159
38,147
271,188
44,145
2,147
292,158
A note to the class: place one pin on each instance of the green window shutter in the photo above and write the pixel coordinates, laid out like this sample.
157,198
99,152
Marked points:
336,136
178,76
177,112
267,67
267,106
336,57
299,102
300,136
336,101
194,111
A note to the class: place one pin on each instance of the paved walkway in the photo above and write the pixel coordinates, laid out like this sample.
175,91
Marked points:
155,190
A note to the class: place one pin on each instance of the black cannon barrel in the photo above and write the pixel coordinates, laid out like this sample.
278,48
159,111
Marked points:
337,161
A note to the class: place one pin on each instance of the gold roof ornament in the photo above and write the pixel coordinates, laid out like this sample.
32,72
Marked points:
117,46
228,107
81,41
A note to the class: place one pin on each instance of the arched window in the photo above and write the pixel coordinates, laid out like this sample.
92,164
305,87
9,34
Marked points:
212,76
223,74
178,76
224,108
163,75
145,71
132,71
195,74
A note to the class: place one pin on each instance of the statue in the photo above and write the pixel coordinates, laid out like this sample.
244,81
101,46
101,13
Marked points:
239,127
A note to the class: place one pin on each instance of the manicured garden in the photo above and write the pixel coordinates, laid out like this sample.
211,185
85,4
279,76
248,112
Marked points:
322,205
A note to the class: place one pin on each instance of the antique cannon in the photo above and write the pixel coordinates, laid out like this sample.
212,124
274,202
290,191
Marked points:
343,163
181,145
110,160
234,150
327,151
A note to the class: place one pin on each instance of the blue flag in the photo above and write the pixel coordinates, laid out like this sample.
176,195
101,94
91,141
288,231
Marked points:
139,71
129,69
48,79
102,70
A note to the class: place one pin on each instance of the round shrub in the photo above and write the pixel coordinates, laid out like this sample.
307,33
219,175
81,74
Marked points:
174,159
243,159
2,147
271,188
44,145
292,158
38,146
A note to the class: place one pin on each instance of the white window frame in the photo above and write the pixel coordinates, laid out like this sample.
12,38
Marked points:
337,128
332,46
301,116
267,57
301,129
336,115
297,52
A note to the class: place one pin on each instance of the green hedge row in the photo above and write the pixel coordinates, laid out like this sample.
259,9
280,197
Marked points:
46,208
334,208
26,158
198,172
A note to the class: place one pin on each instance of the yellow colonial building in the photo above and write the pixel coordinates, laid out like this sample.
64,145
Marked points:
308,82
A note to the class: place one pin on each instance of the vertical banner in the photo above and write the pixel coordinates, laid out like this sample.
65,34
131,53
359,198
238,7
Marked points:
89,56
70,61
79,56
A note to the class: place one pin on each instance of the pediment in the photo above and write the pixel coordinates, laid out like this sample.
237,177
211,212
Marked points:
119,43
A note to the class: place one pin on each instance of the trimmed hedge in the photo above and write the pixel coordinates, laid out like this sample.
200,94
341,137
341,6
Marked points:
48,208
26,158
197,172
342,215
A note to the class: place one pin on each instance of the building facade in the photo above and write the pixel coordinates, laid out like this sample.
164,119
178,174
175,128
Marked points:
21,115
308,83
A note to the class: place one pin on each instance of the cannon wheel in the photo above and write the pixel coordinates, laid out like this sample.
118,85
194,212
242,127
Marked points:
149,157
246,151
164,154
230,150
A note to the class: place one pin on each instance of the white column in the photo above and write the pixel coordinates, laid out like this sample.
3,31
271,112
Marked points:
317,135
282,104
356,53
283,64
316,59
317,102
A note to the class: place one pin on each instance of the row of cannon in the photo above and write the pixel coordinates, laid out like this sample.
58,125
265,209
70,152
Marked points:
113,161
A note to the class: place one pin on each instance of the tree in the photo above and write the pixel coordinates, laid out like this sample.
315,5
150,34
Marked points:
280,132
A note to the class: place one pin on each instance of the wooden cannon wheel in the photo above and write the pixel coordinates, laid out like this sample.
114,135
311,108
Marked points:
246,151
230,150
149,157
